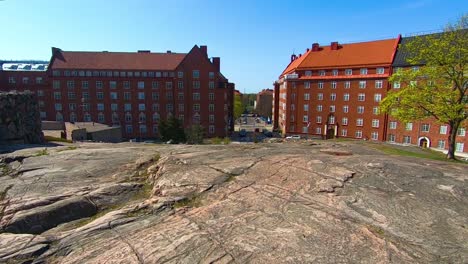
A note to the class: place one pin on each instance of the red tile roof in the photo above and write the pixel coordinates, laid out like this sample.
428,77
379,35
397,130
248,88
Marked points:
379,52
116,60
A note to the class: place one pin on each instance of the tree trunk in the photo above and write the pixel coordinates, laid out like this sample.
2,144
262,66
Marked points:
453,126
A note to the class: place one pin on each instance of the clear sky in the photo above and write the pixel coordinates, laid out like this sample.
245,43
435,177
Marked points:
253,38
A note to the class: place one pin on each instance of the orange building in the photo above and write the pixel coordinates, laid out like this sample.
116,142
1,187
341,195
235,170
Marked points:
263,104
335,91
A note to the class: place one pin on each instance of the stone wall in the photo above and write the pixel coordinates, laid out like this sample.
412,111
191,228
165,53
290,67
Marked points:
19,118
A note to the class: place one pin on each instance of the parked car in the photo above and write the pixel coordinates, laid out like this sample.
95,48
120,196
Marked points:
293,137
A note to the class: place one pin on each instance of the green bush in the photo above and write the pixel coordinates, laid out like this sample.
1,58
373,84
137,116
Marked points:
195,134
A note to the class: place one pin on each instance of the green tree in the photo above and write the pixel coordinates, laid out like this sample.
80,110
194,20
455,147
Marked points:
171,129
195,134
438,89
238,107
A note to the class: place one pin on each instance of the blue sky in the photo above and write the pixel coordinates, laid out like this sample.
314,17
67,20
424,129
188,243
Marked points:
253,38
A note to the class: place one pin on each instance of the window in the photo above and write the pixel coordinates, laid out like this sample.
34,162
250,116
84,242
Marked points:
391,137
56,73
320,85
70,84
168,85
331,119
142,117
441,144
155,107
377,97
141,107
409,126
99,85
127,107
308,73
320,96
100,107
332,108
318,130
293,107
113,95
211,118
459,147
346,97
362,84
305,118
181,107
196,107
425,128
306,96
380,70
363,71
307,85
25,80
180,96
196,74
72,106
58,107
141,85
334,72
211,85
100,118
57,95
114,107
58,117
407,139
360,109
375,123
322,73
112,84
211,129
56,84
305,129
211,107
211,96
358,134
319,108
345,109
40,93
71,95
443,130
100,95
333,85
169,96
344,132
396,85
344,121
196,84
359,122
86,107
141,95
361,97
129,129
375,135
196,96
318,119
349,72
347,84
378,84
73,117
375,110
415,68
333,96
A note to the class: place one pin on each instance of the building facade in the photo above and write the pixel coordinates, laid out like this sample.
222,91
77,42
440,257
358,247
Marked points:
264,101
133,90
335,91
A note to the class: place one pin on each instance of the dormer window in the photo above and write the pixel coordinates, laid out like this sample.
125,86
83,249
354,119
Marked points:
363,71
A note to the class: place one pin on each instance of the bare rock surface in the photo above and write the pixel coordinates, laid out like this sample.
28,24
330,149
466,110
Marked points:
242,203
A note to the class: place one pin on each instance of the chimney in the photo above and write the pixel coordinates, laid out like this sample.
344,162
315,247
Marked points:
216,62
334,45
204,50
293,57
315,47
307,50
168,52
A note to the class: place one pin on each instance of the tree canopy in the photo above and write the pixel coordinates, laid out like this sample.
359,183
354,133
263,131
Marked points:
437,89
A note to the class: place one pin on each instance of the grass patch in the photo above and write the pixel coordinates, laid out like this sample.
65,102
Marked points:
56,139
42,152
4,169
412,152
220,141
68,148
192,201
376,230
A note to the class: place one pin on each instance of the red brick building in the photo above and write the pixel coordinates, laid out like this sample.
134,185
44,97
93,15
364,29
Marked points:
263,103
335,91
134,90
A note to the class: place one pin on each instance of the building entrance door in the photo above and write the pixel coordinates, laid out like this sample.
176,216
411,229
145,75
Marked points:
330,133
423,143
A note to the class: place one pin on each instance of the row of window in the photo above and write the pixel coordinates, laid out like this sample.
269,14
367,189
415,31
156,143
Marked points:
332,108
143,130
56,84
441,144
25,80
346,97
335,72
426,127
128,96
109,73
128,107
343,132
347,84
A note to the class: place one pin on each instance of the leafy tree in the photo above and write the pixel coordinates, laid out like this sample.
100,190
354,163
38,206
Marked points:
439,89
171,129
238,107
195,134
